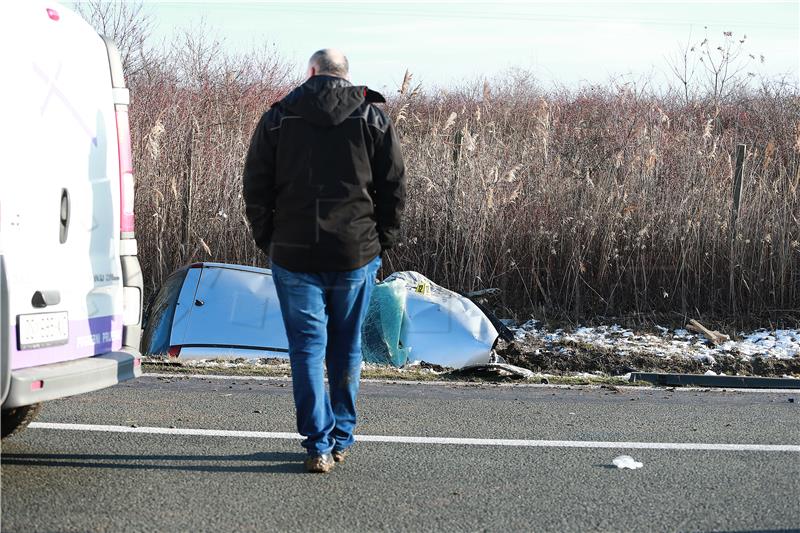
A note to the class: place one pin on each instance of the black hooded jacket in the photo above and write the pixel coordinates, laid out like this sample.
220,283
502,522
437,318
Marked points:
324,181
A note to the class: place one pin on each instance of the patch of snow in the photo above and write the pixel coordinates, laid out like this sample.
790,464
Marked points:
779,344
705,358
584,375
240,362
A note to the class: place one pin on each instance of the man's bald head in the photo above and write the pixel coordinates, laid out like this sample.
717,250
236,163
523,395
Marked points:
329,62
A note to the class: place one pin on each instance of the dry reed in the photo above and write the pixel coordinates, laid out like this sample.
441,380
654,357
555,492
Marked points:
605,200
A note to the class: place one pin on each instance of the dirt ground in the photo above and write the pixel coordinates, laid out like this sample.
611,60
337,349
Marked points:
567,357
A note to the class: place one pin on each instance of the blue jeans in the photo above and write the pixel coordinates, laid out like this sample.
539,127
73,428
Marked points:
323,313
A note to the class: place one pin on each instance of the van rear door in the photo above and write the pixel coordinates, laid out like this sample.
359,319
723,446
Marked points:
59,197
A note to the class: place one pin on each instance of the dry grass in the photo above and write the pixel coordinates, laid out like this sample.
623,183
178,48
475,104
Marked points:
191,120
606,200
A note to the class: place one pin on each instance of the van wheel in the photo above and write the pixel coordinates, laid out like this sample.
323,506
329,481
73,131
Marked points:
16,419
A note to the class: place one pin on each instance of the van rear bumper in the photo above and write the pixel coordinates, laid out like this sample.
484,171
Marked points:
59,380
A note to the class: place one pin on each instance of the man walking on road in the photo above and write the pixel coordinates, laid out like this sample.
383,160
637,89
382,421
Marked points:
324,188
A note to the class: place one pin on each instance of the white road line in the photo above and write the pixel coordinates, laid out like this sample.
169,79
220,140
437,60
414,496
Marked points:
167,431
694,446
449,383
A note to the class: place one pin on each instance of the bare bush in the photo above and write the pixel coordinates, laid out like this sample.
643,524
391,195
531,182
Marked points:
127,24
191,123
713,68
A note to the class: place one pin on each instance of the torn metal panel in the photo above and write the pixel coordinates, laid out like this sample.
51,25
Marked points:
217,310
497,370
440,326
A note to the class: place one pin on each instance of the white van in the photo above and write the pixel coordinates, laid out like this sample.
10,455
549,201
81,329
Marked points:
70,282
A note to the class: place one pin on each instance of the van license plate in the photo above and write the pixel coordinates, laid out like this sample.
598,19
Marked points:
42,329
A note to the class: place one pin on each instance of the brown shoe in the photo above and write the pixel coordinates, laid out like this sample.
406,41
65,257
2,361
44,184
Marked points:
320,463
340,455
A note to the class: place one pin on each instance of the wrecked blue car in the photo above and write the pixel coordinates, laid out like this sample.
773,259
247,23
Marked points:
216,310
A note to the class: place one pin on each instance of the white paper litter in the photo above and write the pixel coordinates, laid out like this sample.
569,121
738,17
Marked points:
626,461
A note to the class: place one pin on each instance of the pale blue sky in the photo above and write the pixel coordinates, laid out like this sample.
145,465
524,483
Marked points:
442,43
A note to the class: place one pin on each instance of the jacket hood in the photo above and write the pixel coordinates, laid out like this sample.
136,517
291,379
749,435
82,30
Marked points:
328,100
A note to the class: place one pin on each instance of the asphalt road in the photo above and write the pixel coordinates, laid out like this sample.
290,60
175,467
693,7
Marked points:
78,480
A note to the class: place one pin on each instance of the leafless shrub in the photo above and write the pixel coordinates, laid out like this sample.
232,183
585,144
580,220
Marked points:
711,67
193,114
127,24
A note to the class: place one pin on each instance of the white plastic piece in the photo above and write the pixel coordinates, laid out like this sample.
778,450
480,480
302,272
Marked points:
128,247
626,461
121,96
128,192
131,297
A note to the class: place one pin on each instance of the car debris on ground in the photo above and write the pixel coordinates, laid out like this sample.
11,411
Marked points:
410,319
217,310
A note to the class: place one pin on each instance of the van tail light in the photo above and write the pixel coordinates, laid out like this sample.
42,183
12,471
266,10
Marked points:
174,351
125,172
